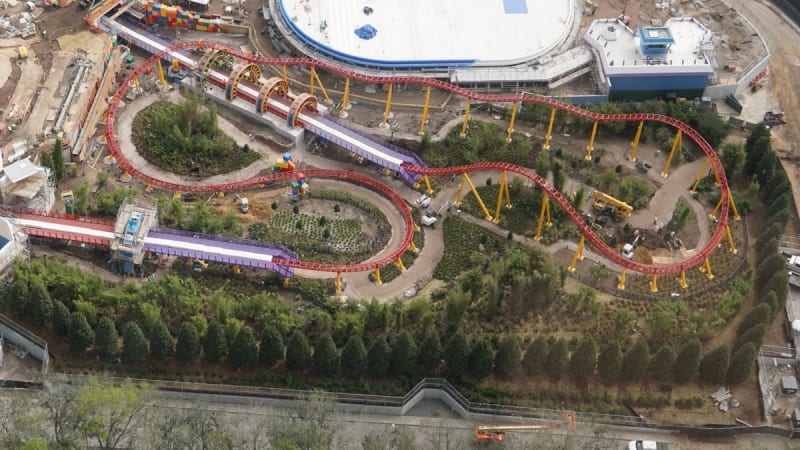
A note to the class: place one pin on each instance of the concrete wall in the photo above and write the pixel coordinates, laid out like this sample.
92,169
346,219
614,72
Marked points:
33,344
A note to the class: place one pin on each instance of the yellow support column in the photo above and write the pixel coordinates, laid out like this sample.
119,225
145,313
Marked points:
315,78
148,188
345,98
311,84
478,197
682,280
654,284
285,73
578,256
400,265
544,211
412,247
427,183
459,192
676,143
338,282
161,76
700,175
176,195
728,235
733,206
502,193
416,227
707,269
425,110
236,268
713,214
635,142
387,113
621,280
511,122
546,145
590,147
378,281
286,282
466,119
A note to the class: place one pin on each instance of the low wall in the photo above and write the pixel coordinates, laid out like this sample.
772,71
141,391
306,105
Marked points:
23,338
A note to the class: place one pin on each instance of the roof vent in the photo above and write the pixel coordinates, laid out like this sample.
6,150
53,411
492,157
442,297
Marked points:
610,33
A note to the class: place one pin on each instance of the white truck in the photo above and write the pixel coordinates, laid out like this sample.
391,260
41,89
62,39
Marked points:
244,204
646,445
429,220
423,202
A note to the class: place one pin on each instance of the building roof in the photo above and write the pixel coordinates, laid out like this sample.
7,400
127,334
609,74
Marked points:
20,170
789,382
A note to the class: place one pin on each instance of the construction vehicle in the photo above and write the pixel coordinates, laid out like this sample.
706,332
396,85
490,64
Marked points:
646,445
423,202
606,205
627,249
244,203
774,117
643,166
497,433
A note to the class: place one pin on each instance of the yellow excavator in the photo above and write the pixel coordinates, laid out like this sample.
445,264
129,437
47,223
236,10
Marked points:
497,433
604,204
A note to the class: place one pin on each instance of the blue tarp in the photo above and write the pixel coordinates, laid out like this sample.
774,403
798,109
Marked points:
366,32
3,241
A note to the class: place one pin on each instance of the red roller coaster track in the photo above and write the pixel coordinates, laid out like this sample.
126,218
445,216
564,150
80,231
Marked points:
595,240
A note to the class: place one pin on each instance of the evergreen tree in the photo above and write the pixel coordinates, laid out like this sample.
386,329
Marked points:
508,358
662,363
134,343
758,315
404,354
18,297
326,357
39,305
770,299
216,344
430,351
481,358
161,344
106,338
354,355
741,364
714,365
271,349
755,152
755,335
766,249
80,333
58,160
634,363
244,351
687,362
187,346
298,353
60,318
584,360
767,269
609,362
456,354
557,359
535,356
378,357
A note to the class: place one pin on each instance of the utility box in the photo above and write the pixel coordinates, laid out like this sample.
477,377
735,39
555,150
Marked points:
788,385
796,418
22,52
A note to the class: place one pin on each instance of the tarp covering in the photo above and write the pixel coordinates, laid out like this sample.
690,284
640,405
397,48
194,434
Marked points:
366,32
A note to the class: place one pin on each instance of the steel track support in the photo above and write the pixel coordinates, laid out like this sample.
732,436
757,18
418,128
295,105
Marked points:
286,281
460,191
700,175
654,283
487,216
733,206
236,269
707,269
400,264
316,80
176,195
466,119
590,147
546,145
682,280
578,256
544,211
345,99
511,122
161,76
676,144
621,279
148,188
635,142
387,112
377,272
425,107
729,236
338,282
285,74
412,247
502,194
713,214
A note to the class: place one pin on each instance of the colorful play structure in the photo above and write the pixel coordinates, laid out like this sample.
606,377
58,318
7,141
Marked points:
301,111
176,17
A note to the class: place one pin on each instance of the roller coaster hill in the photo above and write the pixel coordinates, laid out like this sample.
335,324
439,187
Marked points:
244,87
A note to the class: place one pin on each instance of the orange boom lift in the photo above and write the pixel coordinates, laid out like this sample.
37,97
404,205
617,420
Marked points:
497,433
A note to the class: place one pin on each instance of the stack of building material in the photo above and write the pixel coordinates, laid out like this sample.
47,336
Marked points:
176,17
721,398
